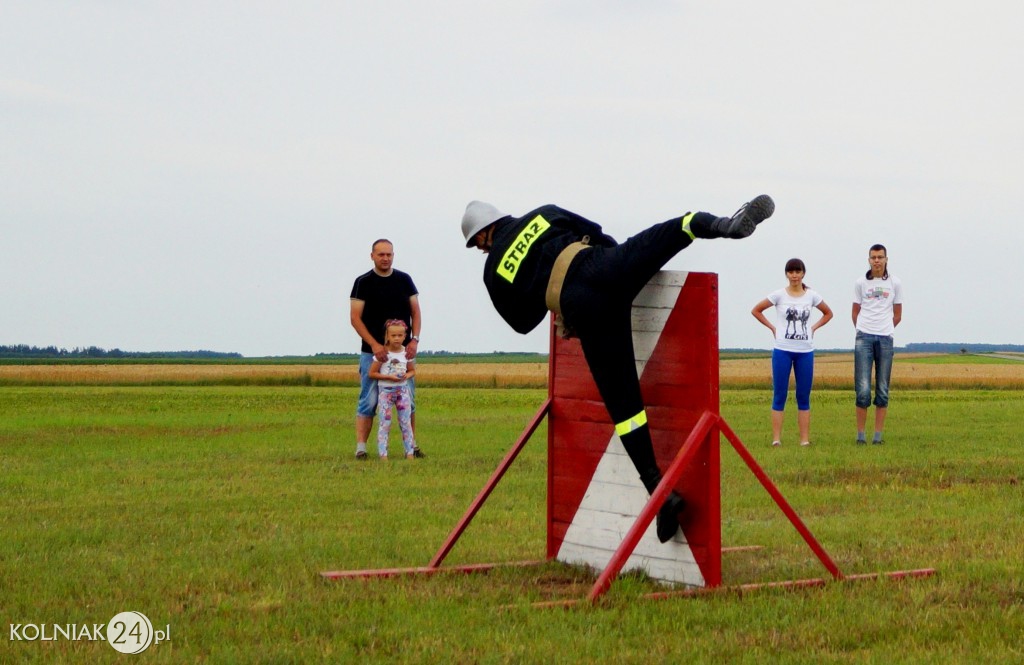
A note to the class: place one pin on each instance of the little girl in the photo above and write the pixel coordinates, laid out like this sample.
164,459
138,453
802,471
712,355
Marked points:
392,378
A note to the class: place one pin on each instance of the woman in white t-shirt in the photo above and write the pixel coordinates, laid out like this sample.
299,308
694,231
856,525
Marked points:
794,346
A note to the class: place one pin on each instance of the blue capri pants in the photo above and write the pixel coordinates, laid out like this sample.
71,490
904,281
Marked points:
802,366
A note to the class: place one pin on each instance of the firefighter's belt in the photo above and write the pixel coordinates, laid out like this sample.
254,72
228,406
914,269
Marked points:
553,295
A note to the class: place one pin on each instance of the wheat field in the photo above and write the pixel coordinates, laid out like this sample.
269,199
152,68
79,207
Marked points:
831,371
493,375
836,371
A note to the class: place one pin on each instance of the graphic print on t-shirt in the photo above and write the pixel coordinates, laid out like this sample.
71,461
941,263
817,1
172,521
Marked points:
394,366
876,293
796,322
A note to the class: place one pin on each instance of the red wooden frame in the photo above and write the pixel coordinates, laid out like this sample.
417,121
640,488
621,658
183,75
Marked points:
697,457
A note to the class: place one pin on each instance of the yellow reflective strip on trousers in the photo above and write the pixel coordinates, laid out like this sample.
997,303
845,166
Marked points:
634,423
686,225
517,252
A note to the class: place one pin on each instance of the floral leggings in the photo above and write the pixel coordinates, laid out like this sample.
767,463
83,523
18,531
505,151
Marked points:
398,397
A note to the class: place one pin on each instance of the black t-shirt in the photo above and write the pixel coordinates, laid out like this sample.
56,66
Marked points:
383,298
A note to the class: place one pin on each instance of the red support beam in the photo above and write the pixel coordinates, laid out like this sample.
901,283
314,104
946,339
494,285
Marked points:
422,570
740,589
474,507
745,588
780,500
690,447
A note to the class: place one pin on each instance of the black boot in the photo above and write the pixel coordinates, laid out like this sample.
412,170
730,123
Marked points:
667,522
741,224
668,516
641,452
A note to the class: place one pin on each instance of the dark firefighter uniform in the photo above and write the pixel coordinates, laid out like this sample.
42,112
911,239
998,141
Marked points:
596,291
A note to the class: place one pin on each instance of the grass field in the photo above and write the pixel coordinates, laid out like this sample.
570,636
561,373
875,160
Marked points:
212,509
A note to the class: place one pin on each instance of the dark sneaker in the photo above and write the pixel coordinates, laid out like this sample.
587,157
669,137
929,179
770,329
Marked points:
861,442
746,219
878,443
668,517
361,454
417,453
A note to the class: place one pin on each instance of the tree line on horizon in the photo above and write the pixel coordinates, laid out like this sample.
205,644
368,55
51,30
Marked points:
941,347
28,351
928,347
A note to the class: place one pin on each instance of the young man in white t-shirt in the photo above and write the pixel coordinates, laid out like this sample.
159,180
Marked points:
877,310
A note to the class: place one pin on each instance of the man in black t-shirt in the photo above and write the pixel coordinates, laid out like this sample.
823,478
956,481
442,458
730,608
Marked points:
378,295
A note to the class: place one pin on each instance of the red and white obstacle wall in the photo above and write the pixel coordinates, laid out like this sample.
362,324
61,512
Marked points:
595,494
599,514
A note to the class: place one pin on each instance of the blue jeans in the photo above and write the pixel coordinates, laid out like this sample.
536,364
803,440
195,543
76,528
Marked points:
802,366
366,407
868,350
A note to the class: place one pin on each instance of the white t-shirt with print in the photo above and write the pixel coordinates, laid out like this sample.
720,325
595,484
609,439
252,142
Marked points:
793,319
395,365
876,298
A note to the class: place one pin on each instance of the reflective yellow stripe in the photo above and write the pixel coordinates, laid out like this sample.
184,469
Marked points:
634,423
517,251
686,225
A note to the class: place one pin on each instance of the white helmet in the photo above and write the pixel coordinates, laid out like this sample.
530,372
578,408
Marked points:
478,216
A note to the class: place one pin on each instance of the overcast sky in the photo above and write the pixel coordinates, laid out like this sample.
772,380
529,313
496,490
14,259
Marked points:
210,175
